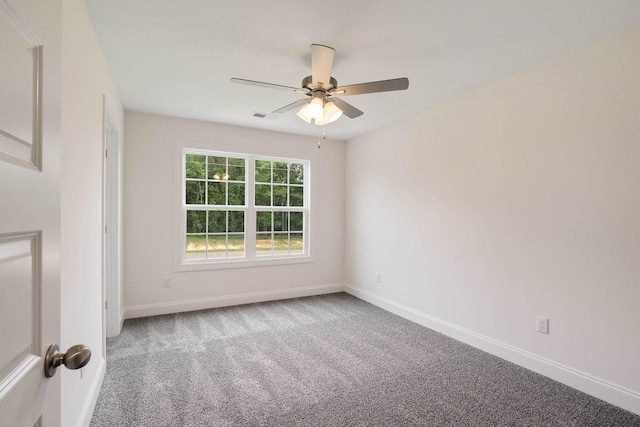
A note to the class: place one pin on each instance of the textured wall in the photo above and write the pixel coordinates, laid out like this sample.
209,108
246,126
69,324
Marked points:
516,200
150,208
85,78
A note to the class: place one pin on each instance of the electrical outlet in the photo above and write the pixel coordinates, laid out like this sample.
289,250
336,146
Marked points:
377,277
165,283
543,325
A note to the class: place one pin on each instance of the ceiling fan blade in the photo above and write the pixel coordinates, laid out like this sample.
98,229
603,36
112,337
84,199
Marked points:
372,87
268,85
348,109
298,103
321,64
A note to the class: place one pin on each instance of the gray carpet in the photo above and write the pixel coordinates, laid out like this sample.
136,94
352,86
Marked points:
330,360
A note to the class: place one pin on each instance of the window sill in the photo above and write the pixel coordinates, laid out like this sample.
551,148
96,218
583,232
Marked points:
241,263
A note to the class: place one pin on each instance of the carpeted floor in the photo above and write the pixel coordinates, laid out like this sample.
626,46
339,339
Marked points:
330,360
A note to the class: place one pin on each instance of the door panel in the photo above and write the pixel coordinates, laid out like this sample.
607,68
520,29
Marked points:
20,90
29,209
18,302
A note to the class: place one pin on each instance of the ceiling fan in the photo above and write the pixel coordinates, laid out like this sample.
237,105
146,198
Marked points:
323,107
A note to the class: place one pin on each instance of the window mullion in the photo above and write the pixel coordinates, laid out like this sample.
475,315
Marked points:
226,181
206,180
273,235
250,212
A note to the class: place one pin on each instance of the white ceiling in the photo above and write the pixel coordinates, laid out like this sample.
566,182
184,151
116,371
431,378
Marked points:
176,57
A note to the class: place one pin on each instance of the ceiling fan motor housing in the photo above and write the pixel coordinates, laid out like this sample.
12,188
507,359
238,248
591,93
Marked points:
307,83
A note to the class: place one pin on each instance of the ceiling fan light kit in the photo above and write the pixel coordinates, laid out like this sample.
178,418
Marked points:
328,114
324,107
315,108
332,112
304,115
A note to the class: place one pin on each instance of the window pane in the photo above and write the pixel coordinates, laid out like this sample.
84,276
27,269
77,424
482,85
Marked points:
236,173
195,247
194,166
296,173
281,244
216,246
263,221
236,193
263,244
236,246
296,196
194,192
217,221
280,221
217,168
196,221
217,192
236,221
280,172
296,221
263,195
236,169
263,171
279,195
296,243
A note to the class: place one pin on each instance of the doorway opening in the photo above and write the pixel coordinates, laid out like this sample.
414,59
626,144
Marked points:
111,229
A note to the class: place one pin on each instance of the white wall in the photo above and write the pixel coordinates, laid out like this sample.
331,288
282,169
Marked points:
149,223
516,200
85,78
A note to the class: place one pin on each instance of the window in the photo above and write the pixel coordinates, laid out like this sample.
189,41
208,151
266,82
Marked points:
215,200
239,208
279,201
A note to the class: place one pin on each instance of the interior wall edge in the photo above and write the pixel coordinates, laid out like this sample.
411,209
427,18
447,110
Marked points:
90,403
121,320
604,390
229,300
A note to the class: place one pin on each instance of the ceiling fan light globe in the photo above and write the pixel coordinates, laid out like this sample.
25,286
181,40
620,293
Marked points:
321,121
332,112
304,115
315,108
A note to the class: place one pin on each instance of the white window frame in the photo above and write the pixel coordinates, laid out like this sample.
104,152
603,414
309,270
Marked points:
251,259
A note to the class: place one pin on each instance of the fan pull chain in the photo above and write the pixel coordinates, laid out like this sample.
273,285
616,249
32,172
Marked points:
324,136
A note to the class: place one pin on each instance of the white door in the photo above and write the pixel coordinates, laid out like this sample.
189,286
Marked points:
30,37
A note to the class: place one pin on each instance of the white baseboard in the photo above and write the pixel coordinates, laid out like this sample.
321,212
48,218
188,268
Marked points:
92,398
224,301
612,393
121,322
